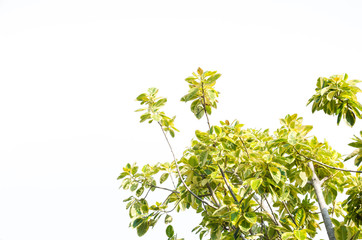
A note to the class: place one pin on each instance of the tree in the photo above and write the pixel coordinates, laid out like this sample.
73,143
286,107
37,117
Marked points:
248,183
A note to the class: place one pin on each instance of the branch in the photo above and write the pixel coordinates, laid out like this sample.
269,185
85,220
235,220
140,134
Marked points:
271,210
227,184
178,171
204,104
212,194
256,198
173,183
323,164
151,185
290,215
246,150
322,203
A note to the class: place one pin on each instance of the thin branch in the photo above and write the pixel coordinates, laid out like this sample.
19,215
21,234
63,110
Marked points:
179,174
256,198
271,210
173,183
205,195
246,150
204,104
227,184
172,208
212,193
147,193
290,215
323,164
151,185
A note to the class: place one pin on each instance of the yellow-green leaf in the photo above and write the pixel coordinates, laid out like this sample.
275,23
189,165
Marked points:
275,173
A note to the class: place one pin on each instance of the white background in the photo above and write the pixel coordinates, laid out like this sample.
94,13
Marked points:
70,71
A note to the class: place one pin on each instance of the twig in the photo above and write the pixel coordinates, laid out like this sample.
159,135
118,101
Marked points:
179,174
227,184
147,193
173,183
204,104
151,185
290,215
323,164
172,208
212,193
271,210
246,150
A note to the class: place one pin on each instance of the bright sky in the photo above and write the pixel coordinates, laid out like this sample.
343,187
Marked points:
70,71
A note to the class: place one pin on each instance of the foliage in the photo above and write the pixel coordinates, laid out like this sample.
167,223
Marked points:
247,183
202,92
337,96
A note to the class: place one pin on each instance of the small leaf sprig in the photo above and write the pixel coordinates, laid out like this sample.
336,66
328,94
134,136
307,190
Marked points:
337,96
202,91
153,112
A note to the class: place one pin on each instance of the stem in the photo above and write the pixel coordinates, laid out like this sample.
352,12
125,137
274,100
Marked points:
173,183
227,184
271,210
290,215
257,199
204,104
246,150
322,203
212,193
323,164
151,185
179,174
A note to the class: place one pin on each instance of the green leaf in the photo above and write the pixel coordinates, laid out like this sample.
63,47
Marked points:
124,174
292,138
287,235
304,178
152,91
212,94
191,95
134,186
169,231
300,234
275,173
256,183
244,225
142,229
339,117
355,236
300,217
343,232
330,95
160,102
211,80
156,117
251,217
168,219
142,97
144,206
164,177
134,170
350,117
137,222
145,116
193,161
140,191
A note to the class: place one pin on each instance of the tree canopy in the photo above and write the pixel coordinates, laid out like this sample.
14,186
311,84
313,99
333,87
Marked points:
252,183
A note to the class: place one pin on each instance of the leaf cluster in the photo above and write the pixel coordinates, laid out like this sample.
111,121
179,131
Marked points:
153,113
337,96
202,92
